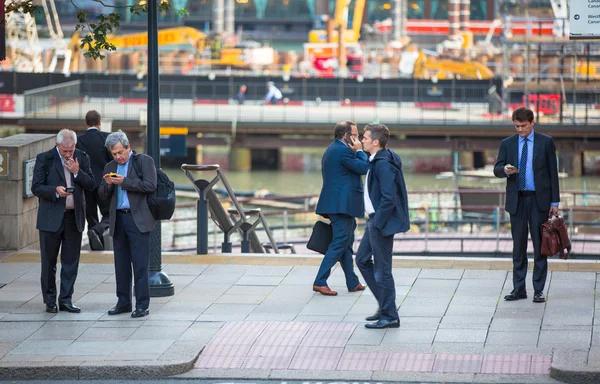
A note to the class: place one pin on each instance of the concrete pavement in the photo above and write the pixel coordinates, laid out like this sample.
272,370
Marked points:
256,317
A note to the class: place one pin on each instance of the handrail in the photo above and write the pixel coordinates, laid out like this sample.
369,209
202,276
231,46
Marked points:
187,168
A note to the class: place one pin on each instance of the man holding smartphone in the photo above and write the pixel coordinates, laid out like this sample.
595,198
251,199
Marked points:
341,201
60,178
532,193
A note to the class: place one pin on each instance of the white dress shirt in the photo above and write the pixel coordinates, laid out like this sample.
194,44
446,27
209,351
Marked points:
368,204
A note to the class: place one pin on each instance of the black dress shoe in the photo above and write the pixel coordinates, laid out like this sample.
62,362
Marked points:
69,308
539,297
95,241
515,296
381,324
118,310
374,317
51,308
140,313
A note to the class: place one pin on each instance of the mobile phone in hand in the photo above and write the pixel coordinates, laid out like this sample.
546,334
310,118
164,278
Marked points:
512,168
348,138
70,189
113,174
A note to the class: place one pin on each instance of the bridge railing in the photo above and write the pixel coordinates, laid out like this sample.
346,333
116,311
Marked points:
442,220
327,101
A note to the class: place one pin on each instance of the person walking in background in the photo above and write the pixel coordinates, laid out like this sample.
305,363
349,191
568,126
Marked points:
241,95
528,161
341,201
386,203
273,94
130,221
60,177
93,143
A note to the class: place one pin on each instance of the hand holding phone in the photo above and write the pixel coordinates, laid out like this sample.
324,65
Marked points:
70,189
512,168
113,174
348,138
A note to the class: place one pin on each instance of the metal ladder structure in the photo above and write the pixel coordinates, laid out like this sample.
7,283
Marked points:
236,219
22,42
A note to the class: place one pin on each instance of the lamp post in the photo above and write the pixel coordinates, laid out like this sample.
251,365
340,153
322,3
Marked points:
160,285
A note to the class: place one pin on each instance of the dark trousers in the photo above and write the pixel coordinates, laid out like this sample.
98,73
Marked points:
374,261
92,203
131,247
528,216
340,250
68,240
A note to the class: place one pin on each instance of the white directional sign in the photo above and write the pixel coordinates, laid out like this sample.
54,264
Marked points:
584,17
3,163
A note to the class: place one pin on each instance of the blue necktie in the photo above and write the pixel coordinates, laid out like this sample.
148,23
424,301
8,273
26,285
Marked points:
523,167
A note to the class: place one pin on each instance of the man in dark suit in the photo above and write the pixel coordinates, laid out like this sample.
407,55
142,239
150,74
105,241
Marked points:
531,194
92,142
341,201
386,202
127,181
60,177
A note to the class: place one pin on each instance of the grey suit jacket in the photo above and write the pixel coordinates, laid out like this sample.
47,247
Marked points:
137,192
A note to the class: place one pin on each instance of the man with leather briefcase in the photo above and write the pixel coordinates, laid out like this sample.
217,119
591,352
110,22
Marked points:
532,194
341,200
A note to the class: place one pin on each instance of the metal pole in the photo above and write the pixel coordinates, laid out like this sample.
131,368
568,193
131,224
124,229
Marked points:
397,11
160,285
202,225
230,17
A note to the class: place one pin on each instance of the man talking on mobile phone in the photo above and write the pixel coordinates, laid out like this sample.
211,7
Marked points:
341,201
60,177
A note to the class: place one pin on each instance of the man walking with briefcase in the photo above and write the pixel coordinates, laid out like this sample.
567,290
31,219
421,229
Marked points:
341,201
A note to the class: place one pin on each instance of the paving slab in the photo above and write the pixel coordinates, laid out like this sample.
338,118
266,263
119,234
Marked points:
245,318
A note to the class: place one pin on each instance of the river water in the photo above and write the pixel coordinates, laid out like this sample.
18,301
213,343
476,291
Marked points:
303,183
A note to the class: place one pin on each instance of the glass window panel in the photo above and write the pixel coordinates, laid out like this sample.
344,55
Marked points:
416,9
439,9
379,10
296,9
478,9
245,8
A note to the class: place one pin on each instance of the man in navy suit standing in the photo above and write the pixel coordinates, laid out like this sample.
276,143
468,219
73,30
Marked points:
341,201
92,142
531,195
386,202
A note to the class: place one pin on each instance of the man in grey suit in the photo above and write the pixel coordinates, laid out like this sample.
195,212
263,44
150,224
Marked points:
528,161
127,181
60,178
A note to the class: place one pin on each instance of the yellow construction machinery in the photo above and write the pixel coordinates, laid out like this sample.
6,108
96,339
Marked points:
430,67
340,21
209,50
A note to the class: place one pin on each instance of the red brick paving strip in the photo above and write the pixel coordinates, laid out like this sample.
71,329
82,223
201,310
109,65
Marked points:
320,346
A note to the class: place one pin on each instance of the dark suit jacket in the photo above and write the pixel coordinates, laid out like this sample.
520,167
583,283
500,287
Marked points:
93,143
342,191
47,175
387,191
545,171
137,191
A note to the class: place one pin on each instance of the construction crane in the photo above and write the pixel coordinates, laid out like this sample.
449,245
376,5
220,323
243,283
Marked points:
61,52
340,20
561,17
22,42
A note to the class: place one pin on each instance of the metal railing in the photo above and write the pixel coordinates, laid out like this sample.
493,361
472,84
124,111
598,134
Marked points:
443,219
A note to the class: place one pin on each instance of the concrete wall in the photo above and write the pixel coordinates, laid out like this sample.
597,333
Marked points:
18,214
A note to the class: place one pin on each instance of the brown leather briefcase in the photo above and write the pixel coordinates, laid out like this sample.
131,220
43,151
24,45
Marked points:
555,238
